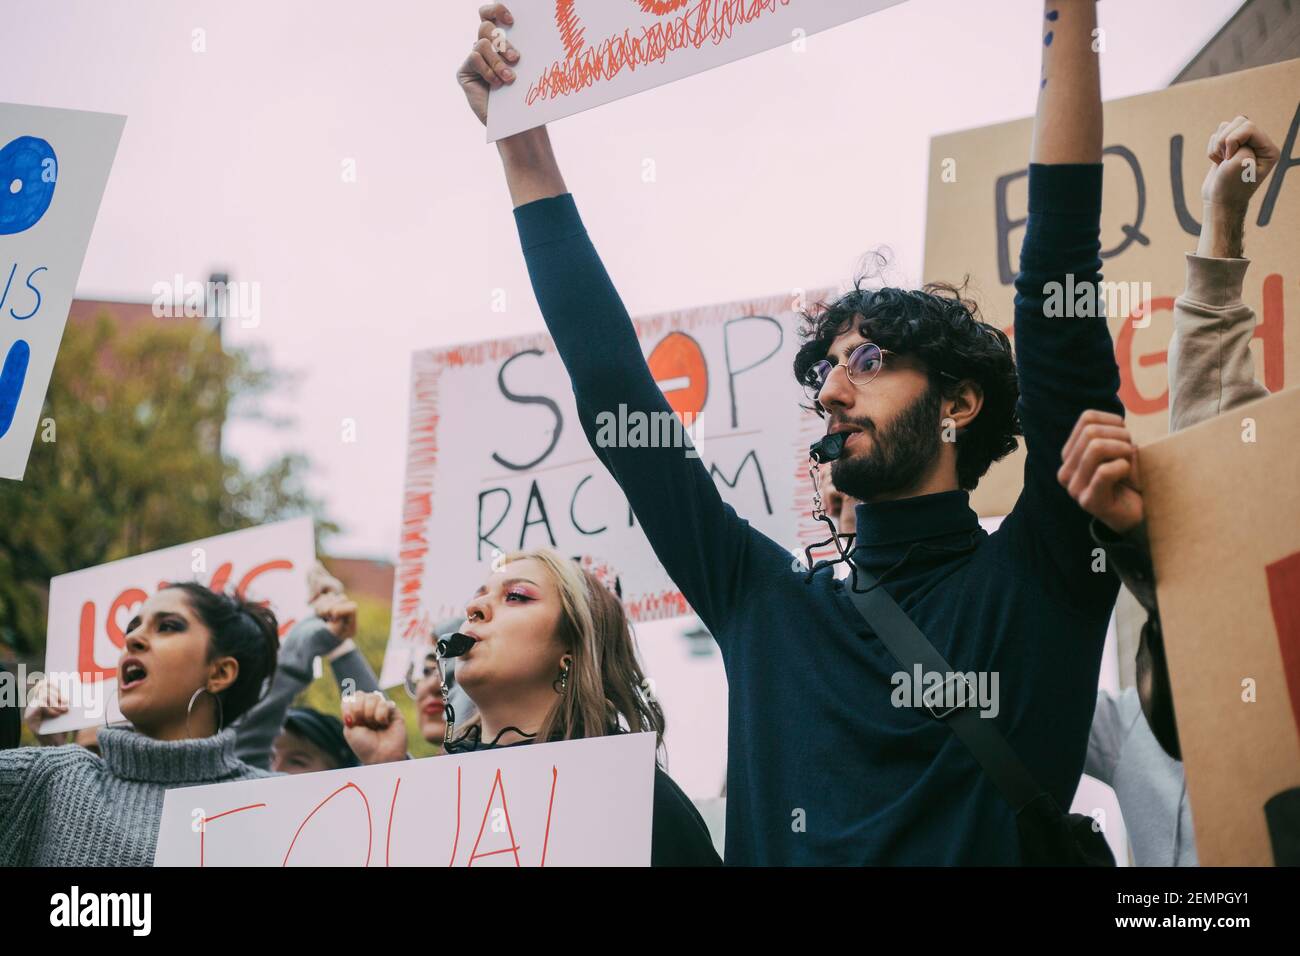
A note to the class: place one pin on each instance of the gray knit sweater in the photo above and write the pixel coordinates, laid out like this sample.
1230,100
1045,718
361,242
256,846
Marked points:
65,806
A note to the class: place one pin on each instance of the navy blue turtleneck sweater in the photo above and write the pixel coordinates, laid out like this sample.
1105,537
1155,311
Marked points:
822,767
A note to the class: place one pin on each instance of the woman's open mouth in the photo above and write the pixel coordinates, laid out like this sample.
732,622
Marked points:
131,674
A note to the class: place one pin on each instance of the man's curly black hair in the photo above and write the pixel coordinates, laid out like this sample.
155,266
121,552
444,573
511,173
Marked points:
938,325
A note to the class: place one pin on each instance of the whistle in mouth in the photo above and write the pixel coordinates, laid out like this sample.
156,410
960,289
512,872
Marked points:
827,448
455,645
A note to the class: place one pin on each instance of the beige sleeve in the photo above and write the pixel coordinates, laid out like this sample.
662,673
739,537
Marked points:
1211,368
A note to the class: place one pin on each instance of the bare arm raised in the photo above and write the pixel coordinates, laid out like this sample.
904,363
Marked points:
530,167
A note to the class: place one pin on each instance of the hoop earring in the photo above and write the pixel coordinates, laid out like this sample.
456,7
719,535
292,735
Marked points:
221,716
106,708
561,683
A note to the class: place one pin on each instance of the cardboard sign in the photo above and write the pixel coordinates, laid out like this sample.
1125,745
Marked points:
53,168
576,803
576,54
90,609
504,464
1154,164
1223,510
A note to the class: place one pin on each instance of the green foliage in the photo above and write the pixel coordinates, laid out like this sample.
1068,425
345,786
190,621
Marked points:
128,459
373,620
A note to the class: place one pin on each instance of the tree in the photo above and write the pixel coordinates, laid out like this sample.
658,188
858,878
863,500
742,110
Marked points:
128,459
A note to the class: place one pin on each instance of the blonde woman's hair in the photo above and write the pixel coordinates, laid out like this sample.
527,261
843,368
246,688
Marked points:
604,691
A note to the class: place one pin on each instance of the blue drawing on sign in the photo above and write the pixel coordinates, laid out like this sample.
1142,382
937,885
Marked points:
29,172
11,382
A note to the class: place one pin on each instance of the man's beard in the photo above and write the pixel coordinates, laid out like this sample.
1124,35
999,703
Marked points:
900,454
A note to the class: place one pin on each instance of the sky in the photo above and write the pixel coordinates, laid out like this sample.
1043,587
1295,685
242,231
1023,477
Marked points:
773,173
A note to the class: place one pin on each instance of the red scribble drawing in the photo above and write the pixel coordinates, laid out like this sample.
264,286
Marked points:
1284,596
203,826
657,606
685,24
411,620
370,828
514,846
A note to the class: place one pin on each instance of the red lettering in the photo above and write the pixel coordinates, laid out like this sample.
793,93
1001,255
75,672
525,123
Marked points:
1135,401
203,827
86,666
513,847
456,842
277,565
1269,331
555,775
388,841
370,829
127,599
220,577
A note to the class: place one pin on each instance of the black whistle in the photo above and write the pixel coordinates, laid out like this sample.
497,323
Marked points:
827,448
455,645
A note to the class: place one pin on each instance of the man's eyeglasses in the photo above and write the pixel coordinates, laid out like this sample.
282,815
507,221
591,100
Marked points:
864,364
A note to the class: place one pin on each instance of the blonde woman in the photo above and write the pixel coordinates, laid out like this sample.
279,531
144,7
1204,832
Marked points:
553,659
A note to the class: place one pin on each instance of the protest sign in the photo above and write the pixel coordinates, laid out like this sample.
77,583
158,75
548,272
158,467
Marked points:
1154,164
1223,512
574,803
503,464
90,609
53,168
576,54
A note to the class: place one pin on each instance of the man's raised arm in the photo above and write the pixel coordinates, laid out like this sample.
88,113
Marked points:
1064,356
1067,126
697,537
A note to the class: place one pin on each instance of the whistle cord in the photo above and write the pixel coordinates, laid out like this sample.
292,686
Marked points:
846,557
471,741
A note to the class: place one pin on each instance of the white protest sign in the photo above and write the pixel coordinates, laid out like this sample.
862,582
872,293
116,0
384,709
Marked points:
503,463
575,803
91,609
53,168
576,54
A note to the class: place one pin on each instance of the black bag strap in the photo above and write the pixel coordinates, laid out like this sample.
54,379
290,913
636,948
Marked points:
911,648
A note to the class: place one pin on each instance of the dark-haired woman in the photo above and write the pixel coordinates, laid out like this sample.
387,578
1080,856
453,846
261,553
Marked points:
193,661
